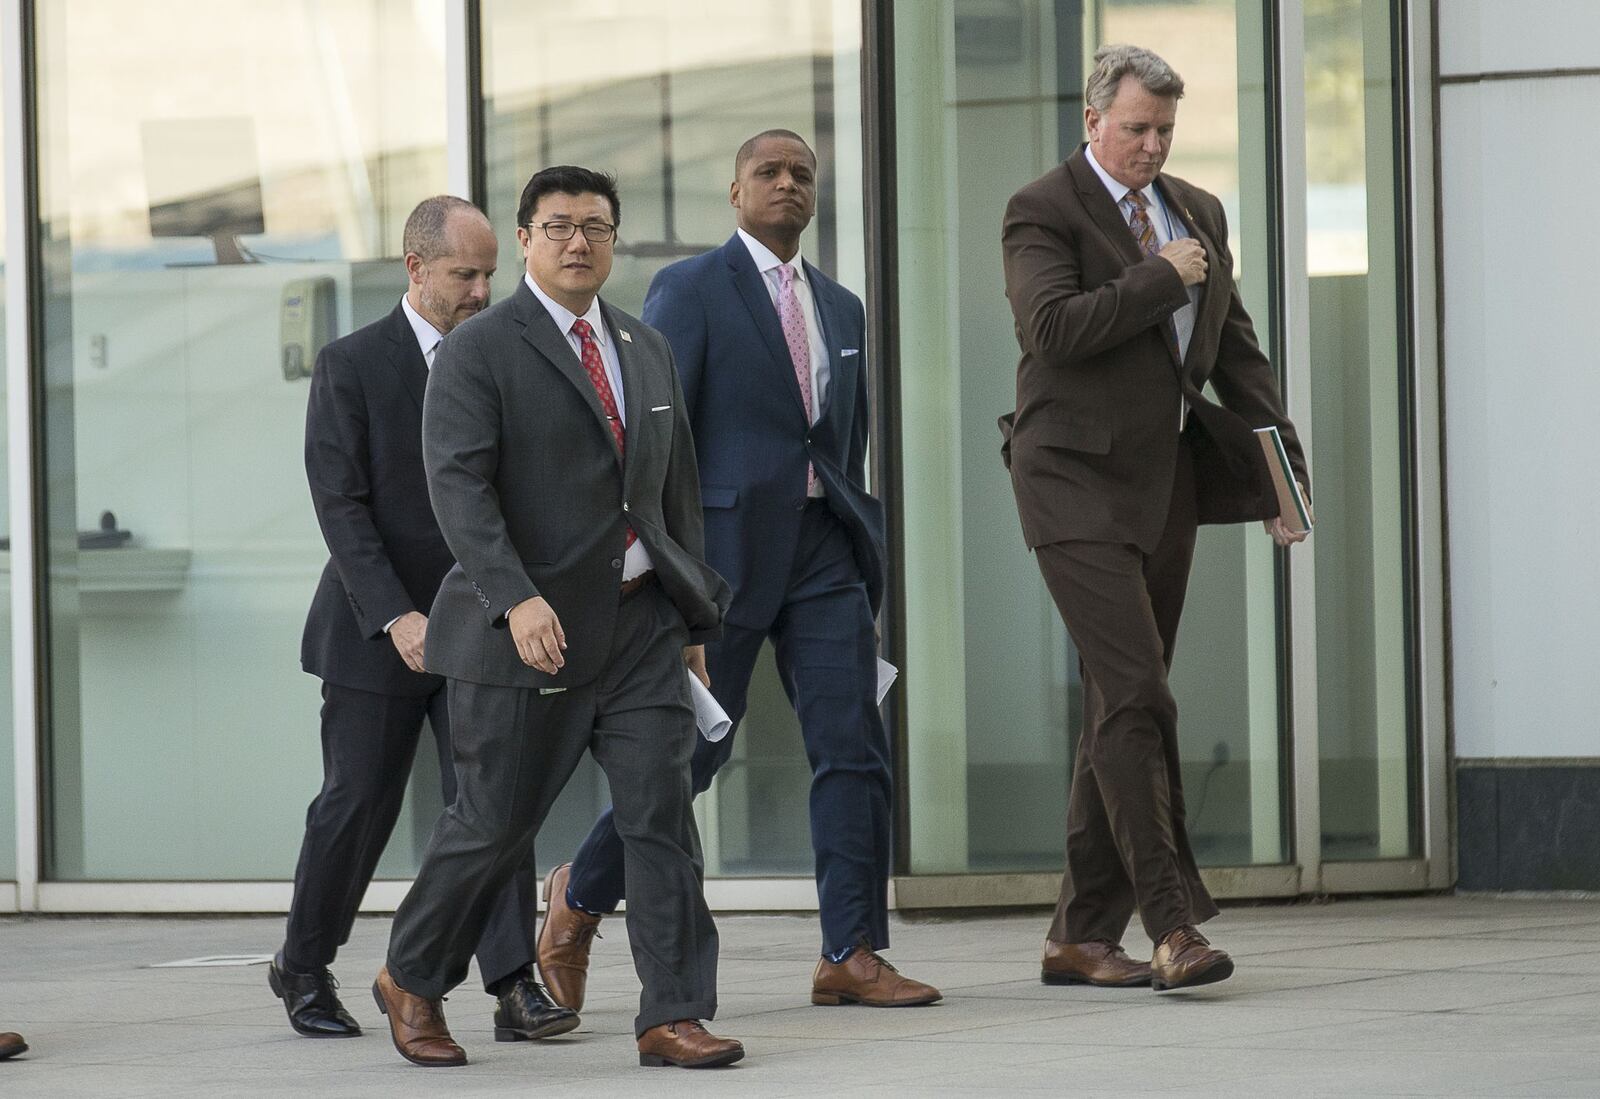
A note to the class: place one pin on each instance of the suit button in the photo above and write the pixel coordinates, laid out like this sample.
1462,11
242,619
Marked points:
616,562
800,504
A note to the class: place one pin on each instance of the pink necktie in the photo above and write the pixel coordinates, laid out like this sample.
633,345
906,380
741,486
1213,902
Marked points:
595,366
793,319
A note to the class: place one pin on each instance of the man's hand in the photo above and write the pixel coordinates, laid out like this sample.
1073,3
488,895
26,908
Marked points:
694,658
1188,258
1281,534
408,634
538,635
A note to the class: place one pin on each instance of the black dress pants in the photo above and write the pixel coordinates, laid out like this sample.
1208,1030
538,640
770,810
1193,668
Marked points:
368,744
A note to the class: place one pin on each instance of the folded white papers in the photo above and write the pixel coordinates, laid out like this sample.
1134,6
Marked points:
709,717
887,674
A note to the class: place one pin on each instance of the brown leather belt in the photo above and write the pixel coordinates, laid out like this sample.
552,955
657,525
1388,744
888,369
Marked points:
631,586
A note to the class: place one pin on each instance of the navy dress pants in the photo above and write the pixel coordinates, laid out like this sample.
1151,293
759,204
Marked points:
826,650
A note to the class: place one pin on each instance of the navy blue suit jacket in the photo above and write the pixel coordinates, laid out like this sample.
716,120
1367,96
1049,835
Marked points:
749,424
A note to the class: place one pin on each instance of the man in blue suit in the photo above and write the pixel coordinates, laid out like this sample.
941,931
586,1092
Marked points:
769,352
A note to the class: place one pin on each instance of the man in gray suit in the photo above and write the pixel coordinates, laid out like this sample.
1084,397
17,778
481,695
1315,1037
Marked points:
562,472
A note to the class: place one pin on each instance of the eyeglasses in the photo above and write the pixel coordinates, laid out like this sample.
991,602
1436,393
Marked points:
596,231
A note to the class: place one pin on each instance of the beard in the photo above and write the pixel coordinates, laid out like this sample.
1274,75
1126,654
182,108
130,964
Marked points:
440,311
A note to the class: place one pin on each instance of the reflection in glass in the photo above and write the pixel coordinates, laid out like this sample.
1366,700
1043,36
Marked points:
665,105
222,189
1353,249
988,98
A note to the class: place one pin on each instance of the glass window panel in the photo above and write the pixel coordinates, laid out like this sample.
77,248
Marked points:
202,164
1360,427
989,97
663,96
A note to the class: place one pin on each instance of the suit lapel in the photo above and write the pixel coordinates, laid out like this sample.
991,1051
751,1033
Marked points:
840,368
1212,293
753,290
1097,200
406,357
541,332
632,371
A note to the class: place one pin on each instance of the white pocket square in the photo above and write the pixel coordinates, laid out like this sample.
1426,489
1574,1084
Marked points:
661,408
551,690
849,351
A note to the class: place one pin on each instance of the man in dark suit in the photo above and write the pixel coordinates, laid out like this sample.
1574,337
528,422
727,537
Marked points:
1121,284
770,353
562,471
365,633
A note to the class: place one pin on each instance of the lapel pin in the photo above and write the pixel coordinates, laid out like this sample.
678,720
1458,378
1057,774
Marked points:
625,337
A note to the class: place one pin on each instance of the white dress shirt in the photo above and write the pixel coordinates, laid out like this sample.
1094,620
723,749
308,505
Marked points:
637,560
1168,229
768,263
428,336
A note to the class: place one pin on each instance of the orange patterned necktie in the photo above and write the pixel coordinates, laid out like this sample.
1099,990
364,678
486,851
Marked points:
1145,235
595,367
1139,222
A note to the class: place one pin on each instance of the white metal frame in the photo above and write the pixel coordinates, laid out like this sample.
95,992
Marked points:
19,422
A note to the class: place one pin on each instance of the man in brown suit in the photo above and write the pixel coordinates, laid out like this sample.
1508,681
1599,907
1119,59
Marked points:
1121,284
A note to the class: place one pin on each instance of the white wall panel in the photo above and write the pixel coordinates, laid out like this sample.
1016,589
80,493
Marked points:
1522,412
1515,35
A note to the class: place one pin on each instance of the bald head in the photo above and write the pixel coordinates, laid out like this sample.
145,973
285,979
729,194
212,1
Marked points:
451,253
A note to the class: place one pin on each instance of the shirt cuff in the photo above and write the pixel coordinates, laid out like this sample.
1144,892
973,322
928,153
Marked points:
389,625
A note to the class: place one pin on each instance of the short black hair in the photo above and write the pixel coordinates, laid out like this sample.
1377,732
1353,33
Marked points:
568,179
425,233
748,149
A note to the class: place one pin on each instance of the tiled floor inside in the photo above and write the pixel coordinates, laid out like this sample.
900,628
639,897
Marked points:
1425,996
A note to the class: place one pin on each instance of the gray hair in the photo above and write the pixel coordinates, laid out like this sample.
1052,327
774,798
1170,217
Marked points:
425,229
1112,63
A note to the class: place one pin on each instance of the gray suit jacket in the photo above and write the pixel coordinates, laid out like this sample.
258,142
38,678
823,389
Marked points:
533,499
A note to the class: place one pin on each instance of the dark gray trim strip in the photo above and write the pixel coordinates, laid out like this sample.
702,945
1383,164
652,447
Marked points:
1518,74
883,359
1524,762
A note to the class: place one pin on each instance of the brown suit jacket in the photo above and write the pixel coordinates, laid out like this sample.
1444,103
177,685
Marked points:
1092,444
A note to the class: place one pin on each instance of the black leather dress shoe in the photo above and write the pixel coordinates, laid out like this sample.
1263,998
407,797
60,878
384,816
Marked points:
313,1006
526,1011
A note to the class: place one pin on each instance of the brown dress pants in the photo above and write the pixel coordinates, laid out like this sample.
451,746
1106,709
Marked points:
1127,845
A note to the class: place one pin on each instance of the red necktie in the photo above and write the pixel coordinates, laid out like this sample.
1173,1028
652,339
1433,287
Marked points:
595,367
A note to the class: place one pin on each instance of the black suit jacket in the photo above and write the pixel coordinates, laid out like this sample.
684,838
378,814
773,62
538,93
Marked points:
533,498
364,465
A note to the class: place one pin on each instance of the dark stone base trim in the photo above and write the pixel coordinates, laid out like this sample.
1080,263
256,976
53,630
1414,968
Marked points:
1526,824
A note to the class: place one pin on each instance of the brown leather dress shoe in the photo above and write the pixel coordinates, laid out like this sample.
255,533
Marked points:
564,940
1105,965
1185,958
686,1044
11,1045
417,1025
865,978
